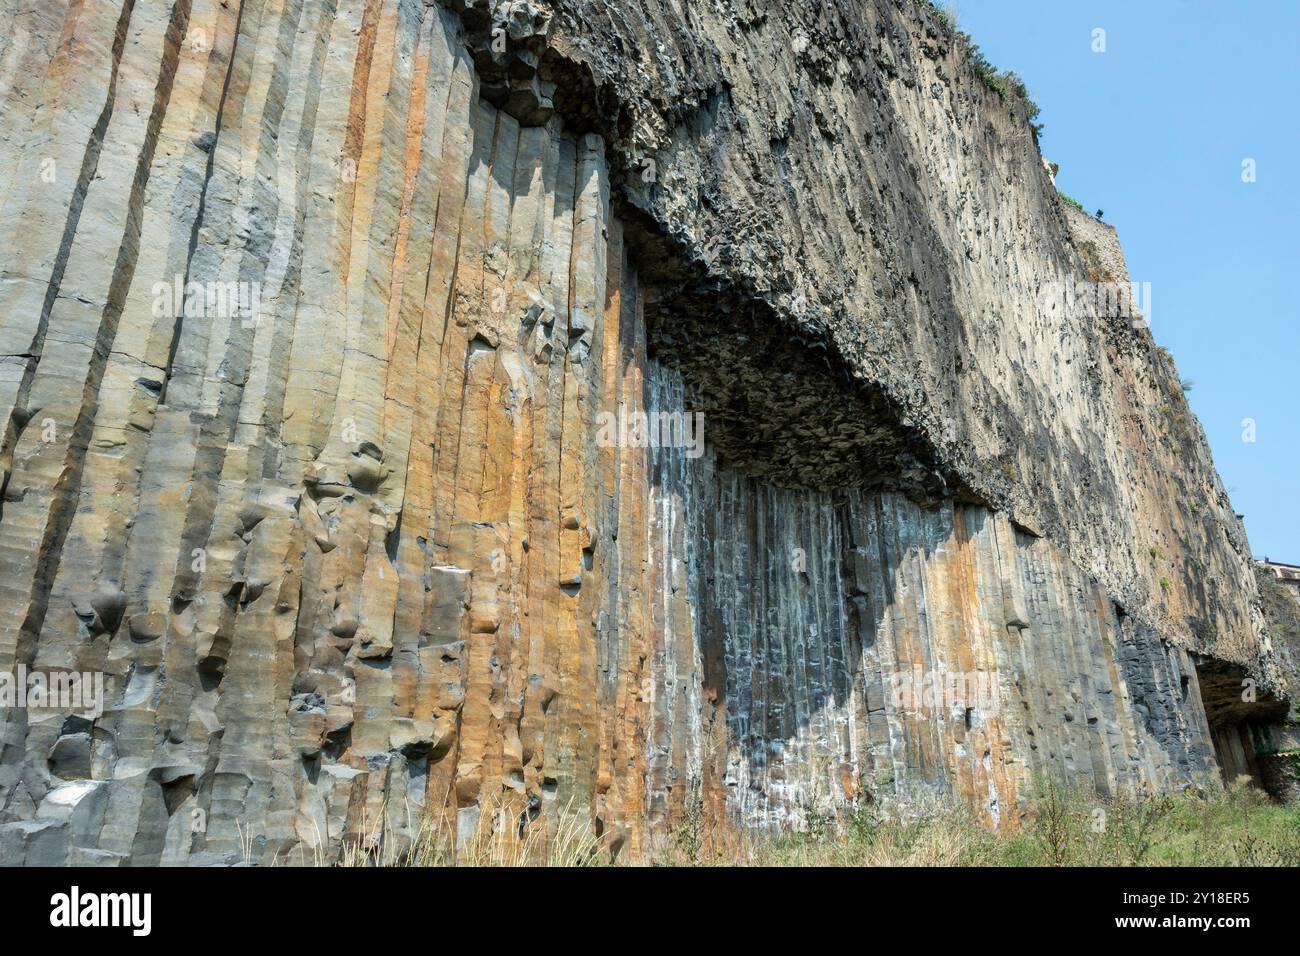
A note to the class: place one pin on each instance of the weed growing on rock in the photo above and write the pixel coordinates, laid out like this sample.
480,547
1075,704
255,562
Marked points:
1070,200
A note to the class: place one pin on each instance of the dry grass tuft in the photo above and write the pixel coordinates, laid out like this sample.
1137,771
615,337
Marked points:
506,834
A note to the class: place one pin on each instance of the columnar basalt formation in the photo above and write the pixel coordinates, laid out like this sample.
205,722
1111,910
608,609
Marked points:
319,341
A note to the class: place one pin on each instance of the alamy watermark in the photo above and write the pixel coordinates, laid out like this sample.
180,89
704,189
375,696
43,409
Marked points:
76,909
634,429
1097,300
919,690
57,690
213,300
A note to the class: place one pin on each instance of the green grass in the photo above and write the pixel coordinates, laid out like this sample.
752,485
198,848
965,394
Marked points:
1247,831
1070,200
1236,827
1239,826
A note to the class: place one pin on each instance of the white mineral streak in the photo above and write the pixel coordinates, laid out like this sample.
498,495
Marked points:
816,600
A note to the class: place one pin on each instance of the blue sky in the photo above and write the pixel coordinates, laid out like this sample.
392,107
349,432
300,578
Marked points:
1153,131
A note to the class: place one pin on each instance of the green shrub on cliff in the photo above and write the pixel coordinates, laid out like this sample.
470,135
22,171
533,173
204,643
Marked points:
1070,200
1005,85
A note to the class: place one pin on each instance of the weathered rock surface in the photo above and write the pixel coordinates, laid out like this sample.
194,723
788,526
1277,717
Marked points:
365,555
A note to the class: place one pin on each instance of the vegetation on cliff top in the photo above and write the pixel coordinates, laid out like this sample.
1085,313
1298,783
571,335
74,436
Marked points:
1070,200
1006,84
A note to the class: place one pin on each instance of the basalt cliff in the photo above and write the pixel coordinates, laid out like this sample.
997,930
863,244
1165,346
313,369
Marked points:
472,410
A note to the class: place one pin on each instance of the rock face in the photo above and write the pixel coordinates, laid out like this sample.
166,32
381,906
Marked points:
350,359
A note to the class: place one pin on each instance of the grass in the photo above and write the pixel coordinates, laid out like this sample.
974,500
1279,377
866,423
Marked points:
1175,417
1097,271
507,834
1007,85
1236,827
1070,200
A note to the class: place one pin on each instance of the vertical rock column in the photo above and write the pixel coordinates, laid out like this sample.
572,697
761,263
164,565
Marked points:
352,554
871,649
351,561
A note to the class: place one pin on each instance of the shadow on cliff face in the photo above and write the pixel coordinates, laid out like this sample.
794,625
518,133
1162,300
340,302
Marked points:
781,404
832,624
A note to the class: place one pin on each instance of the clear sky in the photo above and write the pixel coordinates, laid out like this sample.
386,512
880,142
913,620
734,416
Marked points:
1154,132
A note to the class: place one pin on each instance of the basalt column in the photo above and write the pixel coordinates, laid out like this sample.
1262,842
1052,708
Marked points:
314,372
351,560
863,647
